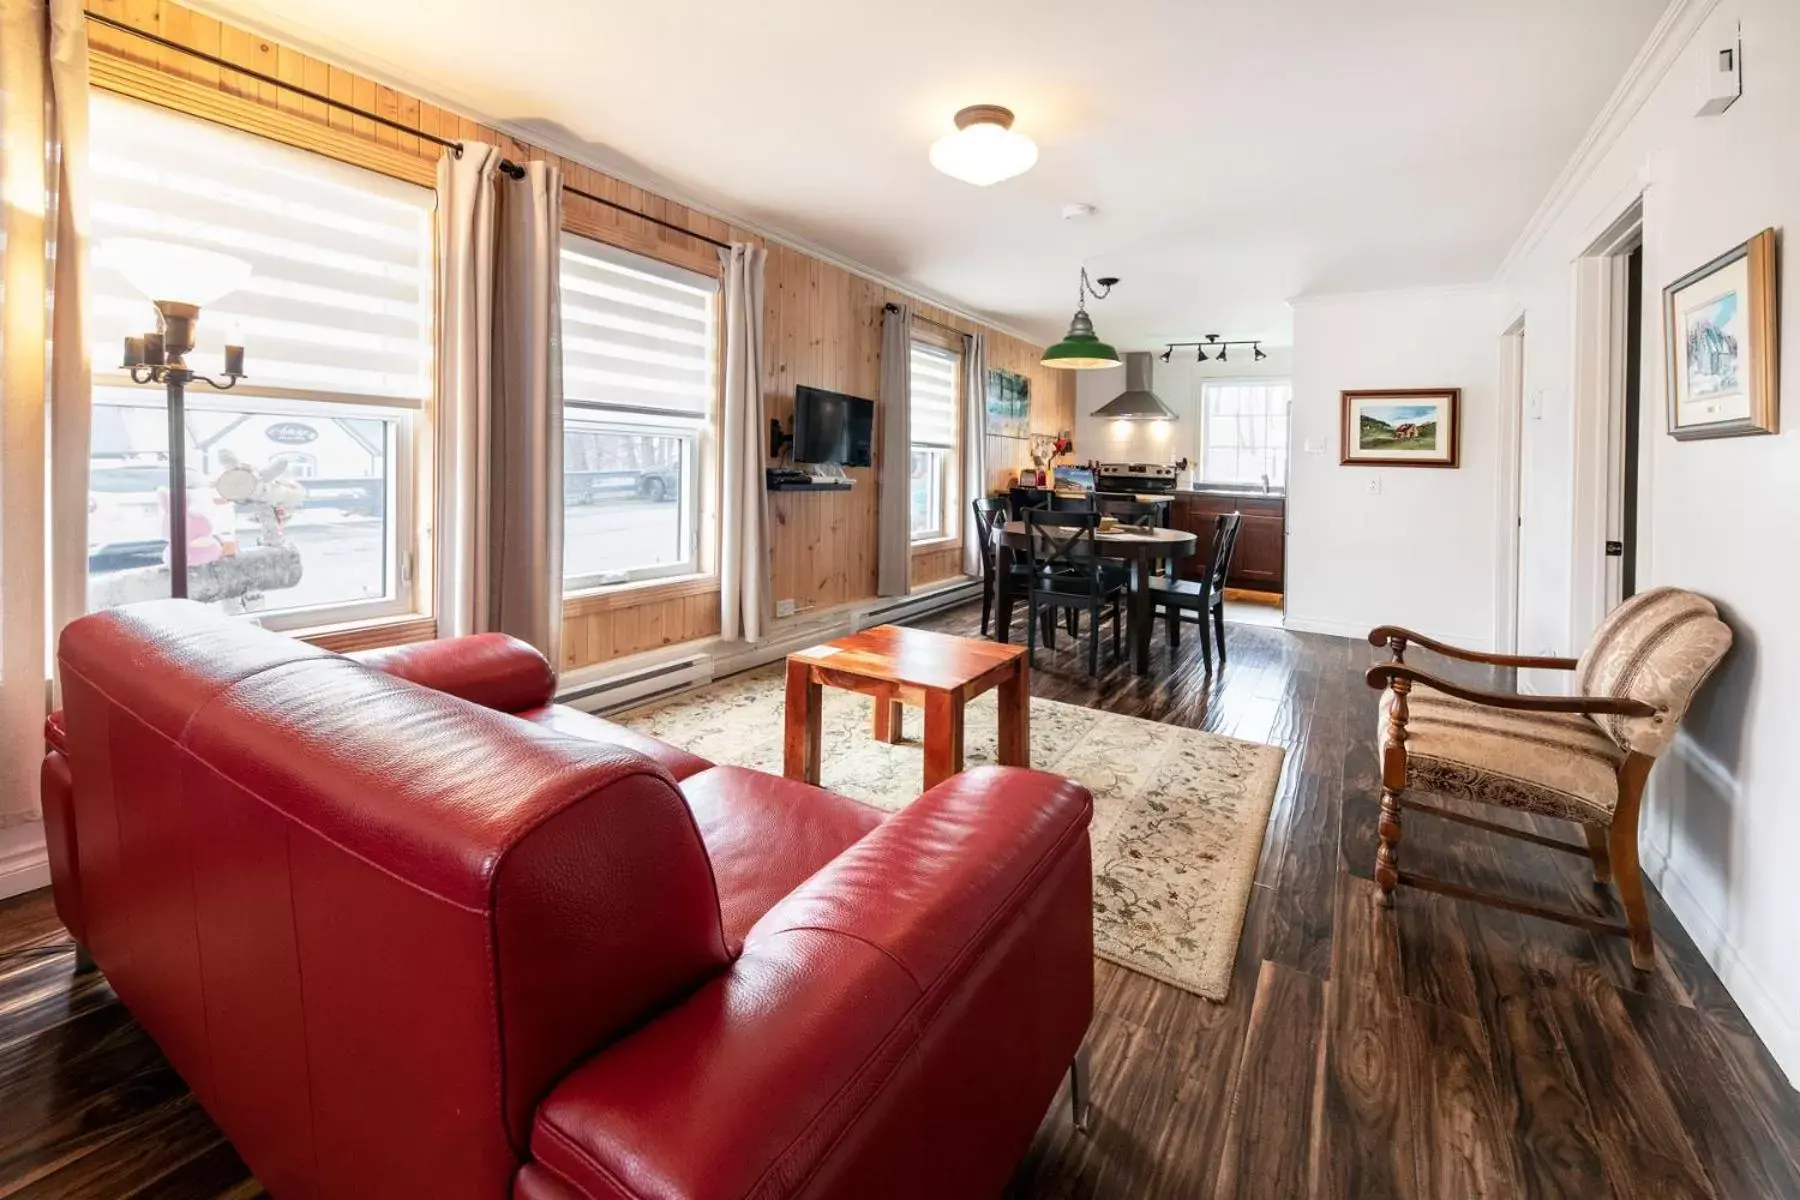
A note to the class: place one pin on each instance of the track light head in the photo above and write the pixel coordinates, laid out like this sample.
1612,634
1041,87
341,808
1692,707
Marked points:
1257,352
1199,353
1222,350
1166,353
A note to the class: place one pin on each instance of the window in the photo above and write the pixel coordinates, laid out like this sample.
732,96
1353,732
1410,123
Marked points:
639,352
933,415
336,321
1243,431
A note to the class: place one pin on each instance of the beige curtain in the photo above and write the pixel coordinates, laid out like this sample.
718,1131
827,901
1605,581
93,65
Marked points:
44,369
526,456
974,438
465,323
744,497
893,469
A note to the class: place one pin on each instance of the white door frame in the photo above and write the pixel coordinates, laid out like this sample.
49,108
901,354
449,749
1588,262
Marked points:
1509,505
1597,447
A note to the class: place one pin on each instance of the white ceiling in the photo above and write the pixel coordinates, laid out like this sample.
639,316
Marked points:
1238,153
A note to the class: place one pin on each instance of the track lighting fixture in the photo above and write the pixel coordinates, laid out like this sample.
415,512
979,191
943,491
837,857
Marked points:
1213,343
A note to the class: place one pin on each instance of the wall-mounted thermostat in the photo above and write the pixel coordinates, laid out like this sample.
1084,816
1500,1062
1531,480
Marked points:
1724,78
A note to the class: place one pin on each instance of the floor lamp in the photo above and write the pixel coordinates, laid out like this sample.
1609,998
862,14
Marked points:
160,270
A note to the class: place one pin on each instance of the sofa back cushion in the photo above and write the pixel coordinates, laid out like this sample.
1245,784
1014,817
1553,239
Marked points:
1658,647
371,924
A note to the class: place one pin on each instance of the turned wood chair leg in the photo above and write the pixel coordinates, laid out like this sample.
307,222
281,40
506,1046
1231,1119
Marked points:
1387,854
1600,852
1080,1089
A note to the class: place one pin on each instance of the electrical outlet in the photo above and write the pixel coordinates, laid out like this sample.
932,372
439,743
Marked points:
1372,485
784,608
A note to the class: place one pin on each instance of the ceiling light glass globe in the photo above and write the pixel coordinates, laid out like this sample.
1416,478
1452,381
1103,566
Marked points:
984,152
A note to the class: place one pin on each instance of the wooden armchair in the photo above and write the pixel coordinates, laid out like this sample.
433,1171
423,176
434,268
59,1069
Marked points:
1581,758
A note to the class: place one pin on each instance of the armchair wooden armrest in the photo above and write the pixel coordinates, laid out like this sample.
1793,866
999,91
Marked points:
1384,675
1396,638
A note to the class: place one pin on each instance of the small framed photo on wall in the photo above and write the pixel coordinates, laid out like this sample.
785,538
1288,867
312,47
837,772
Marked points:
1721,342
1401,427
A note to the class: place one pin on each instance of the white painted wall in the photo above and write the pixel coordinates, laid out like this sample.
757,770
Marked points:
1177,382
1422,551
1716,516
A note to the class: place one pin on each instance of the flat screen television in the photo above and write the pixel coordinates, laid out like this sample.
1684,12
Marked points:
830,427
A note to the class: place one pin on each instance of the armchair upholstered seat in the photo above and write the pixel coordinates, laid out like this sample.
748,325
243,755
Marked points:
1582,758
1553,764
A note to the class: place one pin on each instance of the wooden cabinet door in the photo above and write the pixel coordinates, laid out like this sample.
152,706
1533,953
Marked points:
1257,560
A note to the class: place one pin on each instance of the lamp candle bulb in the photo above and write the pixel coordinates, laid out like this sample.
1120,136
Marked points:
134,351
234,360
153,349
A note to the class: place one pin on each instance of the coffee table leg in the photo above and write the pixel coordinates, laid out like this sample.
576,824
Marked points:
800,744
887,721
1015,718
943,737
1140,615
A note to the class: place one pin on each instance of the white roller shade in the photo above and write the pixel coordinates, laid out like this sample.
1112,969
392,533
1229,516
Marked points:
637,334
340,301
933,396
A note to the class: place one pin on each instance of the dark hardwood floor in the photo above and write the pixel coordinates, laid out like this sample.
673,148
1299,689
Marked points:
1440,1050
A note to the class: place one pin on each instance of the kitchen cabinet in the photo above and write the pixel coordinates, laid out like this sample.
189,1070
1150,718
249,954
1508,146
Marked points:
1256,565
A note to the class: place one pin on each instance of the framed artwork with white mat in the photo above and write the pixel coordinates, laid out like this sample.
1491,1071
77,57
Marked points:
1721,340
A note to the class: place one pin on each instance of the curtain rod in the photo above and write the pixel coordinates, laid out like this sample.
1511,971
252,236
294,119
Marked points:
890,306
511,169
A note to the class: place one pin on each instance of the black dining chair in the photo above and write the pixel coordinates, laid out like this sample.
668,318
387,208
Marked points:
1173,596
1066,573
1142,514
1071,504
991,515
1024,497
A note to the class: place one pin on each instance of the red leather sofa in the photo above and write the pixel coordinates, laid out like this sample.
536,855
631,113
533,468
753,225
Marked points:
409,929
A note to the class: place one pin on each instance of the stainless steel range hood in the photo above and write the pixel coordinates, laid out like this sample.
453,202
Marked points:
1137,402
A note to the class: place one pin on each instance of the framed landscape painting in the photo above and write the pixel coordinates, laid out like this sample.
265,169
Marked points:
1720,334
1008,404
1401,427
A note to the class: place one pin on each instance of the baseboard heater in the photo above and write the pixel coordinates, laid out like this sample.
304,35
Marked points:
636,687
909,608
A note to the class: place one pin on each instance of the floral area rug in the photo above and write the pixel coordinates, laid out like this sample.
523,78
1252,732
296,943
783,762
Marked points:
1178,814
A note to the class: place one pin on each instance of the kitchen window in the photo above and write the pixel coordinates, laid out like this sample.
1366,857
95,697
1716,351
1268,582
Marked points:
640,365
1244,431
337,322
933,415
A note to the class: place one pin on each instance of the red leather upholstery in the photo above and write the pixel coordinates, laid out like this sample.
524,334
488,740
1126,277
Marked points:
493,670
59,829
572,722
766,834
875,1035
375,926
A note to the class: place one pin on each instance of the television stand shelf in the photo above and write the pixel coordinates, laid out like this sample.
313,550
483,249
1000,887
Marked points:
810,485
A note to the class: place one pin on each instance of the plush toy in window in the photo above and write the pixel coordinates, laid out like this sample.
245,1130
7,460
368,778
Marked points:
269,492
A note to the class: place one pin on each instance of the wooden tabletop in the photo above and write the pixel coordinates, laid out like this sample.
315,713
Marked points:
1155,542
919,657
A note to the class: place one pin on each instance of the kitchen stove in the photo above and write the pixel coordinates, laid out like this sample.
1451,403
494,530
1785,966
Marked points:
1134,477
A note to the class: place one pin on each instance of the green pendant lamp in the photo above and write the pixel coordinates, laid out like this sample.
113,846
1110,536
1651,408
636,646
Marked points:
1081,348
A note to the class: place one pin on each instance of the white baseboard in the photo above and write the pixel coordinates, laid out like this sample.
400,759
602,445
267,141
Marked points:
24,862
1323,625
1767,1015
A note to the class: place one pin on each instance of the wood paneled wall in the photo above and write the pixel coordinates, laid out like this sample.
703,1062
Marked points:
822,322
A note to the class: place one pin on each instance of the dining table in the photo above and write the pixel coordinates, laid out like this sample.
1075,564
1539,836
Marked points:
1141,548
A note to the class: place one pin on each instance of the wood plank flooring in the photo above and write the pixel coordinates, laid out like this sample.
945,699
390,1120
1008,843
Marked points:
1438,1050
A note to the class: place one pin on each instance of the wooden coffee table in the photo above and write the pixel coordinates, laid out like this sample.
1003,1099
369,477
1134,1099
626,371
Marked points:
896,665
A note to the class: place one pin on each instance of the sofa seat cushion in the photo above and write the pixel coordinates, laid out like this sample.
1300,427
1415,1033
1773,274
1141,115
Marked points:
1557,764
767,834
572,722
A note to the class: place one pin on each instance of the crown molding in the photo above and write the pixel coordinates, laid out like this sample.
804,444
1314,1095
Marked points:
1661,50
388,74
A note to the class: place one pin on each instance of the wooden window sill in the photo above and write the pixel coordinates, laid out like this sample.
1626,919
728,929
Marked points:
371,634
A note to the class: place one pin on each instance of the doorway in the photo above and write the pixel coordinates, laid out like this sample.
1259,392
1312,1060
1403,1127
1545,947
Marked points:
1510,514
1624,432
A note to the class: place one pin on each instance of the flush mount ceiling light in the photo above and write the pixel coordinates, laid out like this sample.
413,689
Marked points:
985,148
1081,348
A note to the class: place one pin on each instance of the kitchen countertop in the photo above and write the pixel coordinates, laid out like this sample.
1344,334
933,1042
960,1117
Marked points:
1235,493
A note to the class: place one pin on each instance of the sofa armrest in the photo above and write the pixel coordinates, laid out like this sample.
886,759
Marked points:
493,670
926,988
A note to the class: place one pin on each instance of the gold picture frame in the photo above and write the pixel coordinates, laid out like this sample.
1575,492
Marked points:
1721,345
